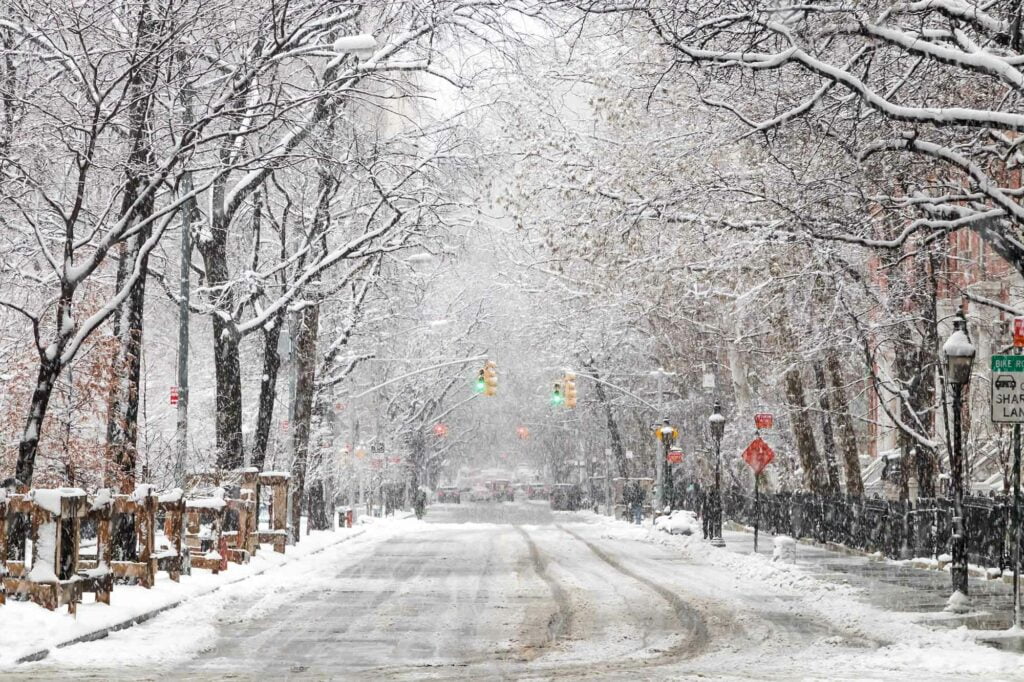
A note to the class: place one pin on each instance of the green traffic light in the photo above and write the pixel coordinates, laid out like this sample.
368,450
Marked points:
556,396
479,385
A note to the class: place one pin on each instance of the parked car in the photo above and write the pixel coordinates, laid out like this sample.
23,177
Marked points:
566,497
536,491
449,494
480,494
501,490
679,522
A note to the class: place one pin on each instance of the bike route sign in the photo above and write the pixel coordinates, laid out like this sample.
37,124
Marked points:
1008,389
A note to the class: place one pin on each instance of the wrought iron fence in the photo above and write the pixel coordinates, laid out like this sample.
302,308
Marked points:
899,530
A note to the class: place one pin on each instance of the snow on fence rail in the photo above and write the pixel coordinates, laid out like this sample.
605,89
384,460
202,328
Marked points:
45,556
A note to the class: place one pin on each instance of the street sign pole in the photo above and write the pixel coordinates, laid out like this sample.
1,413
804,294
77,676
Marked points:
757,509
1008,408
1016,526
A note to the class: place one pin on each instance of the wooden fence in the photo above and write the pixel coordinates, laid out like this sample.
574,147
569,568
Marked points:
58,544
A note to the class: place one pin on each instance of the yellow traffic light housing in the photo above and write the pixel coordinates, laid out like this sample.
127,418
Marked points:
569,381
490,373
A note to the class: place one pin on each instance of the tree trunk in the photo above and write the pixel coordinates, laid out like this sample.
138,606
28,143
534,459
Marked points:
309,322
318,519
618,452
49,370
268,391
847,435
815,477
227,362
123,407
827,437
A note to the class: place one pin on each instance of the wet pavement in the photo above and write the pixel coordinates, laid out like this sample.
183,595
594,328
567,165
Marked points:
897,586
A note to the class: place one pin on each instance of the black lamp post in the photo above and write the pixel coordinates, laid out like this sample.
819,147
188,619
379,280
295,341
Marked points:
959,352
716,422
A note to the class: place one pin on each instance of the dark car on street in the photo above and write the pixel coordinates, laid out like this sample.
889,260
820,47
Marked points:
566,497
449,494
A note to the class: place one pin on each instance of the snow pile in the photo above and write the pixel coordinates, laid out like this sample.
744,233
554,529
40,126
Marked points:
174,495
216,501
958,603
142,491
785,549
102,498
50,498
679,522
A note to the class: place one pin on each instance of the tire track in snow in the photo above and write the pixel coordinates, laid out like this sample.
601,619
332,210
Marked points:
691,620
561,620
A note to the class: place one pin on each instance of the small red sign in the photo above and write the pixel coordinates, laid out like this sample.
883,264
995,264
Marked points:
764,420
174,396
674,456
758,455
395,460
285,425
440,430
1018,332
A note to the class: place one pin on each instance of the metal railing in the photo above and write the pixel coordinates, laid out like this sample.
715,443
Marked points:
899,530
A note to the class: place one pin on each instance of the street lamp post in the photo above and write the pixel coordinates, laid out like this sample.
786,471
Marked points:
959,352
716,422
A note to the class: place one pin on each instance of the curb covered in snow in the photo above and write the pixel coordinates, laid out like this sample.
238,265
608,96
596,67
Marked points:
102,632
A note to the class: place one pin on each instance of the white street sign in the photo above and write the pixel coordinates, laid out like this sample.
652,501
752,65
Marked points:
1008,389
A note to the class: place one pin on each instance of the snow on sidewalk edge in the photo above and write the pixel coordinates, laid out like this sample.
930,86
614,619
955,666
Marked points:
137,619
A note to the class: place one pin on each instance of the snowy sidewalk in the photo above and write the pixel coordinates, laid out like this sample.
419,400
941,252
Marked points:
894,585
29,632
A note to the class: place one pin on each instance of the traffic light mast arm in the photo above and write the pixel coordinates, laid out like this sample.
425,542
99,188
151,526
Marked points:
451,409
418,371
620,389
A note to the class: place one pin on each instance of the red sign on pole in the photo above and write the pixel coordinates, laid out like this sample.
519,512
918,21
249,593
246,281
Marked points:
764,420
674,456
758,455
174,396
285,425
1018,332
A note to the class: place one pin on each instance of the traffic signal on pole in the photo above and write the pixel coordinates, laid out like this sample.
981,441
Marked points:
556,396
570,389
480,384
490,378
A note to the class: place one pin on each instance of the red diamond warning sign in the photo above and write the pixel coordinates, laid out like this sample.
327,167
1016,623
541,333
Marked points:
758,455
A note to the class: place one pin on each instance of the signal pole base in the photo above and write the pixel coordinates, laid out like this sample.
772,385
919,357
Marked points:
717,541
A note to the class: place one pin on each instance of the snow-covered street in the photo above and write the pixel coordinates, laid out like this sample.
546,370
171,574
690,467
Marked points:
517,591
